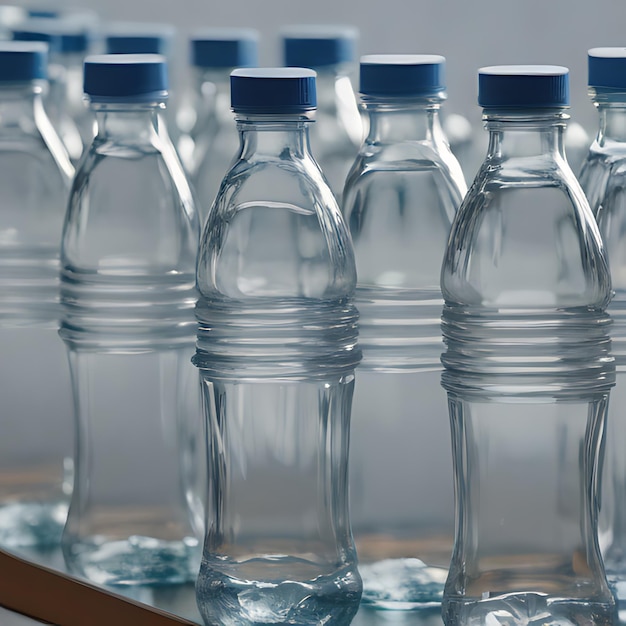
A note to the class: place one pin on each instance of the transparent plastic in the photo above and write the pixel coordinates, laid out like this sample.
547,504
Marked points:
528,372
399,201
127,290
277,351
83,119
36,439
603,177
57,106
338,130
214,135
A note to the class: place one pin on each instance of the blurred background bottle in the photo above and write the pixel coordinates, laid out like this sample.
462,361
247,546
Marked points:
127,290
399,201
603,178
528,369
69,40
331,51
35,388
211,142
277,350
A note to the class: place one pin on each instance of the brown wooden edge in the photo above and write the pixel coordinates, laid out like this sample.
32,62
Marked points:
55,598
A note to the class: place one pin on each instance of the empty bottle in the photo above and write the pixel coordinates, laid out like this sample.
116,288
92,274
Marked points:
331,52
35,388
399,201
127,291
528,369
66,40
277,350
603,179
214,54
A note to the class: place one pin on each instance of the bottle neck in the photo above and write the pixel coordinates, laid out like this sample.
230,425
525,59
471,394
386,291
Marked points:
274,136
525,133
327,81
612,121
20,104
394,121
212,87
120,121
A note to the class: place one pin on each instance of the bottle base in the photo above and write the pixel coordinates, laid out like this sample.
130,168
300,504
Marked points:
135,561
527,609
229,601
402,584
32,524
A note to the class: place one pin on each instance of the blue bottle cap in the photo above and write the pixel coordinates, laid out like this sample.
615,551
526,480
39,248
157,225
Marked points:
38,30
225,48
318,46
273,90
523,86
402,75
139,38
125,78
23,61
607,68
64,35
43,13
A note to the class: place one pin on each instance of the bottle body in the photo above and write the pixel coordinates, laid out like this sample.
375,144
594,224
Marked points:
602,180
127,291
399,201
528,371
277,350
36,453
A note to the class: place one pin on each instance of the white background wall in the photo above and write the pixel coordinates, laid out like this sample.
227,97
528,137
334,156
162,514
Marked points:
470,33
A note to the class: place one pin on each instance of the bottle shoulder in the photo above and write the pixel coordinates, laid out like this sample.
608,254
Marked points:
275,230
525,240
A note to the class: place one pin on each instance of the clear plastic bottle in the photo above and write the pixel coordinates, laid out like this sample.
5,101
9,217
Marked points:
277,348
331,51
528,369
603,178
65,40
399,201
127,290
214,54
35,388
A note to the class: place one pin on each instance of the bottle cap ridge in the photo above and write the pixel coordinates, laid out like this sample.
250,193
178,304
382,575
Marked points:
139,38
225,48
273,90
23,61
607,68
318,46
523,86
125,77
402,74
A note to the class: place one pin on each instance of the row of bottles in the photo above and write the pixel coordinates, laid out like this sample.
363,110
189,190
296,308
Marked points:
527,363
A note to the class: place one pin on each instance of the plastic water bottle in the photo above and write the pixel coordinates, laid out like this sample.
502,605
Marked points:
399,201
331,52
127,290
528,369
66,40
214,54
36,426
603,180
277,350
